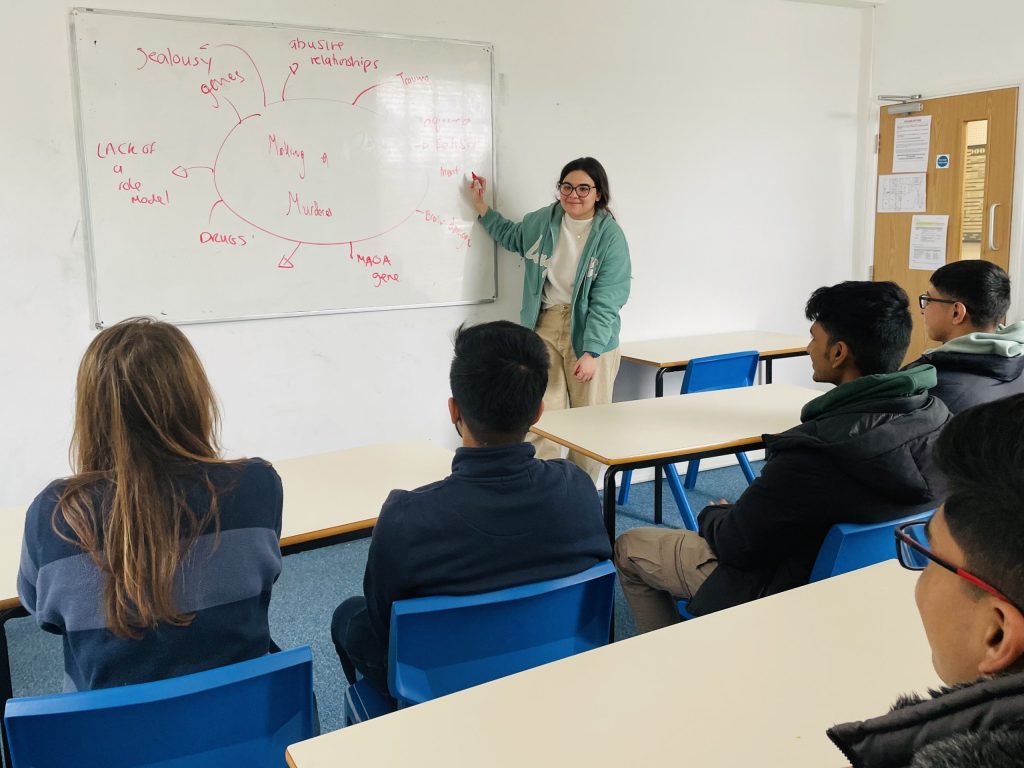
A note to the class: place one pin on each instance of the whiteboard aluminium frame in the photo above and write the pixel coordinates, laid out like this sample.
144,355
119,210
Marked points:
83,174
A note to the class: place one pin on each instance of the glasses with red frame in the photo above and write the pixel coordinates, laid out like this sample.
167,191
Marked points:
914,554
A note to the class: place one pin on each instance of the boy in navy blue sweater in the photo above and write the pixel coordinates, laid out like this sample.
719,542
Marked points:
502,518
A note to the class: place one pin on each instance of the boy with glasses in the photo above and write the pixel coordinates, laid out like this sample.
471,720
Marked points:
970,596
979,360
862,454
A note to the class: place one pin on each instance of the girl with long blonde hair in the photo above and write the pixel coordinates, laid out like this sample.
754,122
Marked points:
156,558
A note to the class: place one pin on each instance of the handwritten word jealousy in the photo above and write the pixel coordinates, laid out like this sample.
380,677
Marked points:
169,58
449,224
313,209
283,149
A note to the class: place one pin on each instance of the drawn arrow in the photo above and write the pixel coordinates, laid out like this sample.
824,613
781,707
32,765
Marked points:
286,261
292,69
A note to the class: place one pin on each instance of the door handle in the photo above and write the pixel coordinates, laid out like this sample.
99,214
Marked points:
992,227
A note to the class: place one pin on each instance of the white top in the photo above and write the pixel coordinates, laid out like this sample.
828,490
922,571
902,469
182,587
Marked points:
641,430
324,494
755,685
670,353
561,273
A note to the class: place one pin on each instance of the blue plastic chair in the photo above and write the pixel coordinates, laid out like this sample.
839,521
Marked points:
439,645
703,374
849,547
244,714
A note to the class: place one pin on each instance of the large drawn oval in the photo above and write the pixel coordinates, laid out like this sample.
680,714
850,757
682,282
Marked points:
320,171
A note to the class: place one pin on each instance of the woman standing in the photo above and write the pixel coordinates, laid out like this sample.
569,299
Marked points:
576,281
156,558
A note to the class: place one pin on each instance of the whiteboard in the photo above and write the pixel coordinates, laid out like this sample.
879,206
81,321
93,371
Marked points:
237,170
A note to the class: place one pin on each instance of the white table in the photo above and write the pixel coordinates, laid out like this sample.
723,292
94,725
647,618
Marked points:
674,354
755,685
643,433
325,495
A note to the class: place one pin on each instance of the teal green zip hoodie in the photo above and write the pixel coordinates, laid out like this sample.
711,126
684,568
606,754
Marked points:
602,276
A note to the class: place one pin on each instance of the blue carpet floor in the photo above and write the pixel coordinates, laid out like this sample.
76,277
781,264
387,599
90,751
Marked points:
313,583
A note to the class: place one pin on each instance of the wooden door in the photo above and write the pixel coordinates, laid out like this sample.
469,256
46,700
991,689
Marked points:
974,188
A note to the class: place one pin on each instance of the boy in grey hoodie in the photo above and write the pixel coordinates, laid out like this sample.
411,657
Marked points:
979,360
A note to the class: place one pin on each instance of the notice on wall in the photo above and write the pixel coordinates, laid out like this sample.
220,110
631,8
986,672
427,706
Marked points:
928,242
902,193
911,144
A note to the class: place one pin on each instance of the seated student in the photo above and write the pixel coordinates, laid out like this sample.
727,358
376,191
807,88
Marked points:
861,455
156,558
502,518
970,596
978,361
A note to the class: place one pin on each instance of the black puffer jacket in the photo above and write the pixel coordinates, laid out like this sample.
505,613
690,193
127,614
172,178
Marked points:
862,462
976,725
969,379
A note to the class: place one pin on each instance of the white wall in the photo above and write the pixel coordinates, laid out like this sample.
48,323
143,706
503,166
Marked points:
729,129
943,47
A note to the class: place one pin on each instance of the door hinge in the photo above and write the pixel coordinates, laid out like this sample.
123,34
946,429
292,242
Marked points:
878,143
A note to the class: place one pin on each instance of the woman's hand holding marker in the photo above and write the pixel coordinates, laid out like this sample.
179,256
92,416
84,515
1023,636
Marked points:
477,186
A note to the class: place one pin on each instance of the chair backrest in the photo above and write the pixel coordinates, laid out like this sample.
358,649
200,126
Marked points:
442,644
737,369
243,714
848,546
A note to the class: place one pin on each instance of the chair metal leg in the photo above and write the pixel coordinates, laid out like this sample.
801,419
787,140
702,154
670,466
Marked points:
627,476
685,511
692,468
748,471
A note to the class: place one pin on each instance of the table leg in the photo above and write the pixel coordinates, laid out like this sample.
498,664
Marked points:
768,371
659,391
609,502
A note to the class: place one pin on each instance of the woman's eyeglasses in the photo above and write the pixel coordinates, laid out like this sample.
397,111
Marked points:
581,190
914,554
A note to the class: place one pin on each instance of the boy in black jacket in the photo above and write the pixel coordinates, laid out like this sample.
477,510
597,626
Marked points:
860,455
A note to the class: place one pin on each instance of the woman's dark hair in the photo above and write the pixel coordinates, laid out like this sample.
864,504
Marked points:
498,377
981,286
872,318
594,170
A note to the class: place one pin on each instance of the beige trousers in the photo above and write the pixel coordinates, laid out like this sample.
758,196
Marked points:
553,328
656,567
